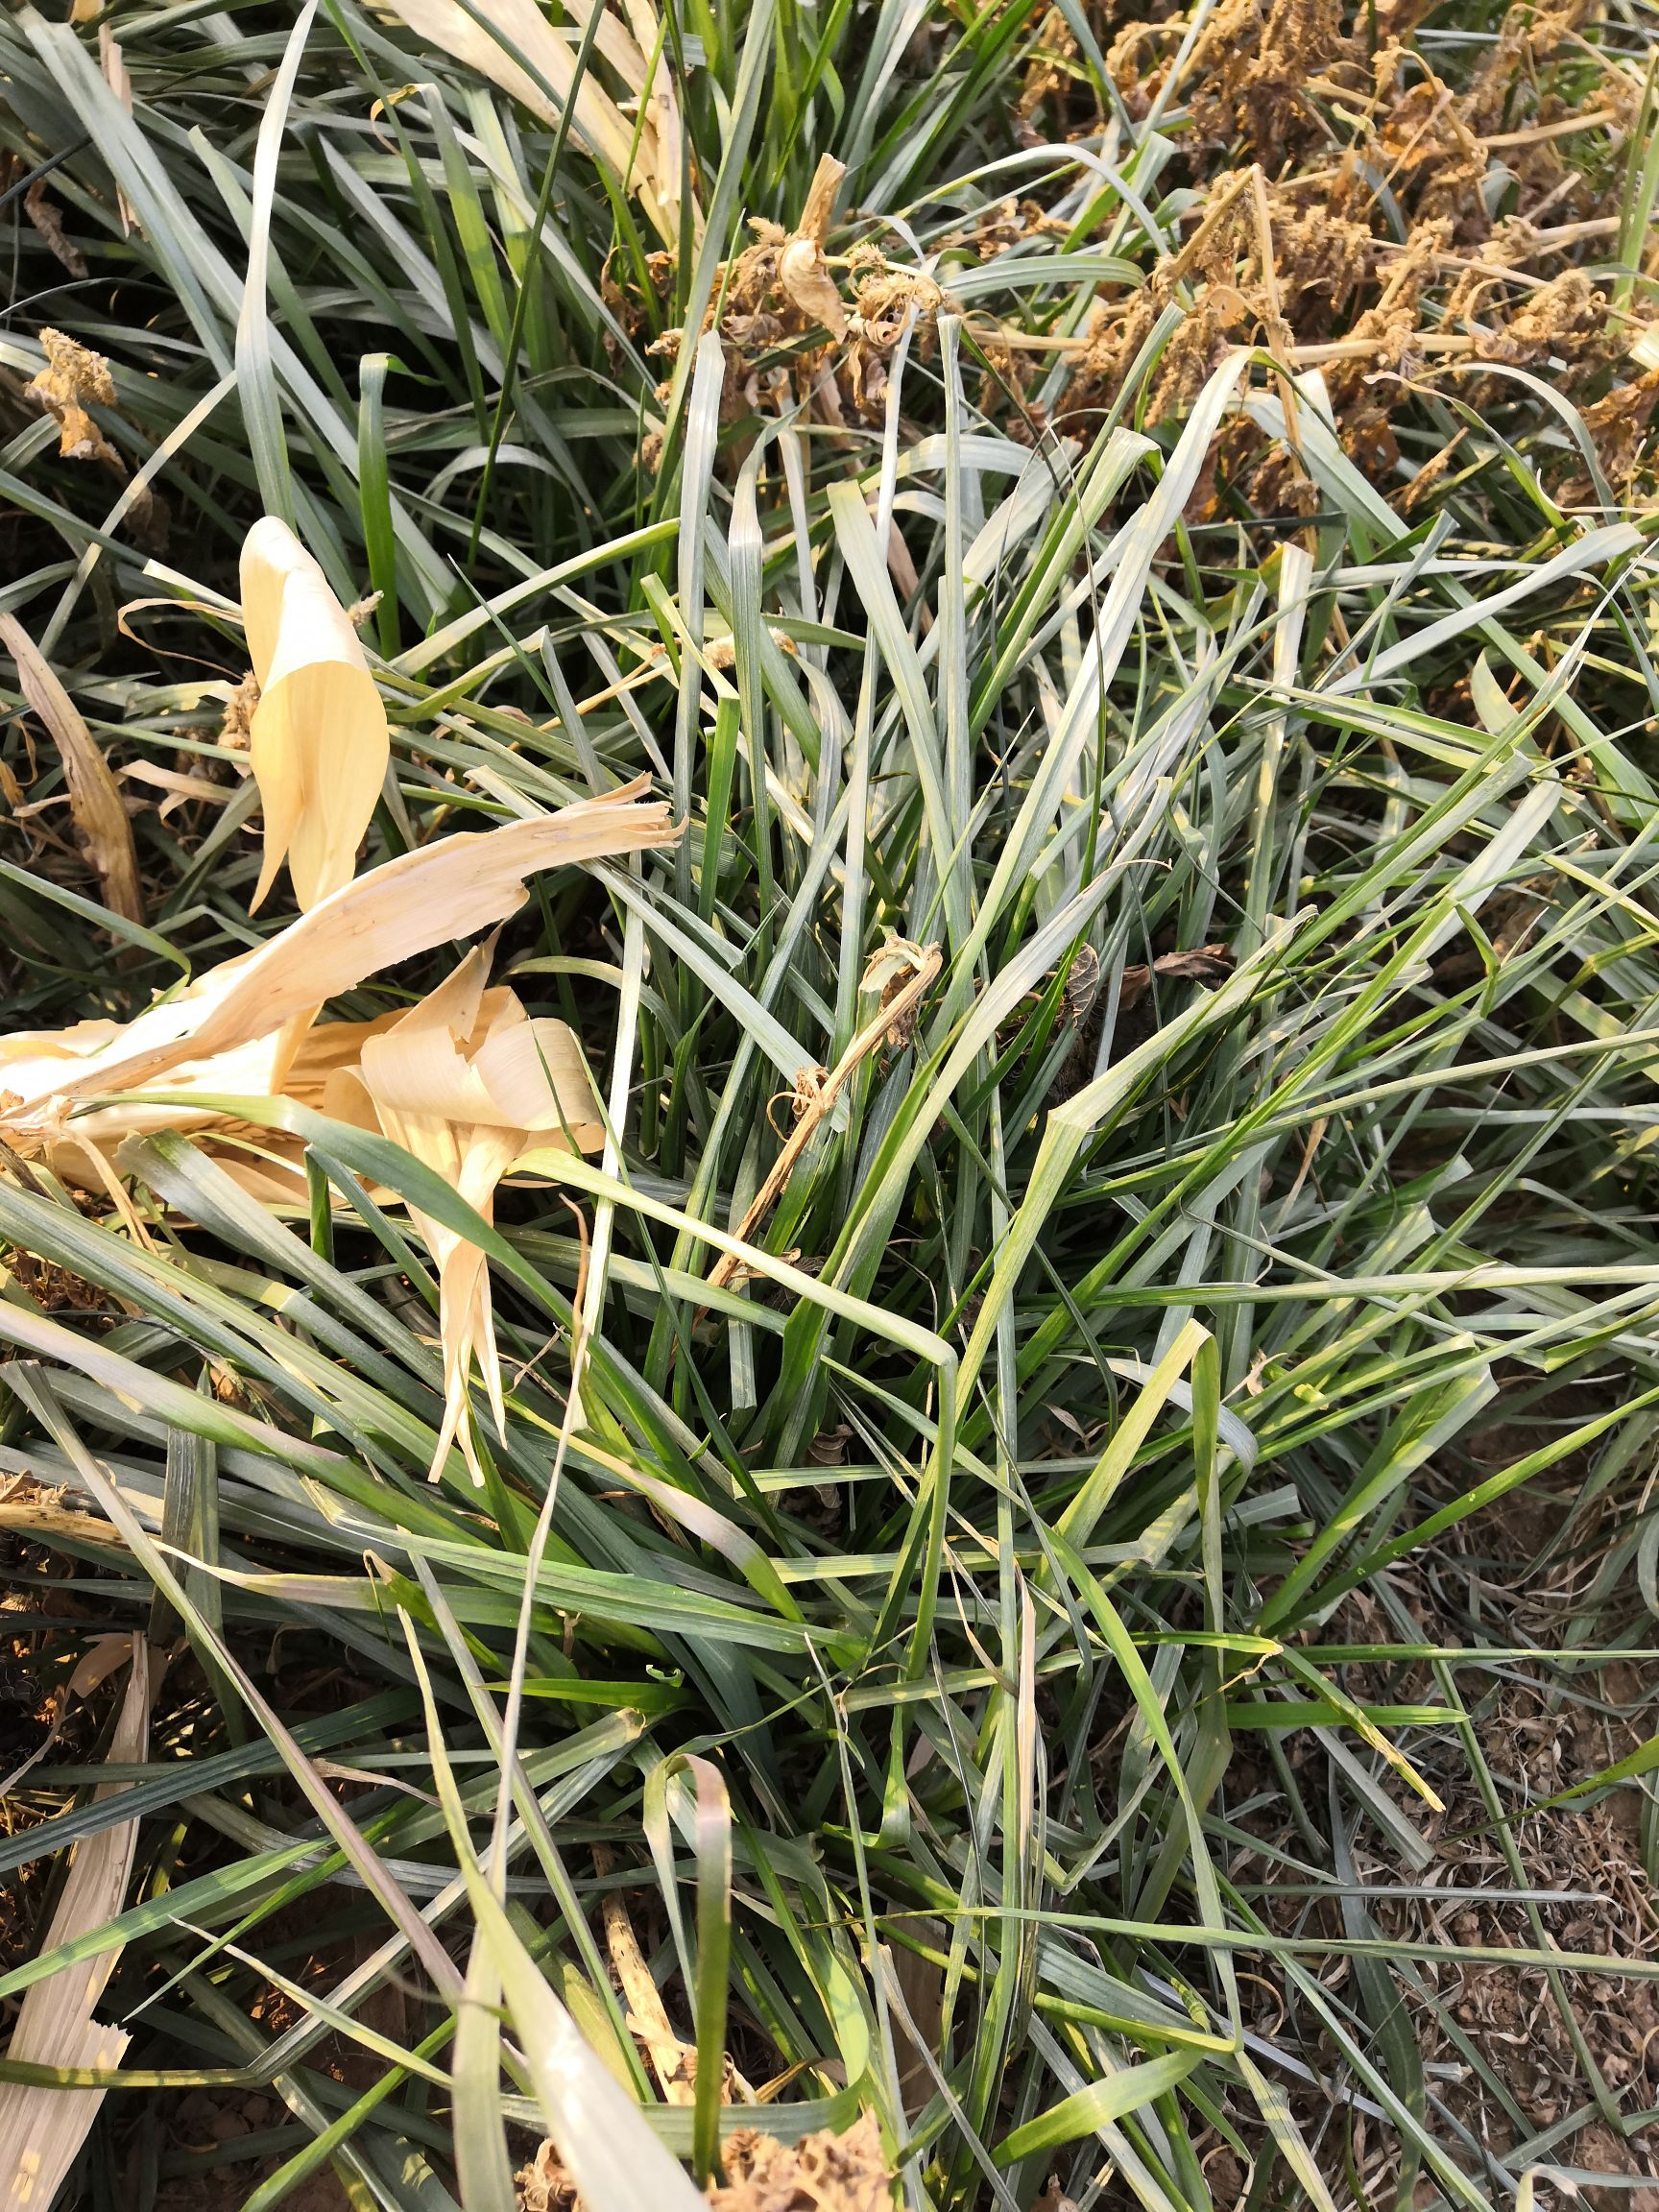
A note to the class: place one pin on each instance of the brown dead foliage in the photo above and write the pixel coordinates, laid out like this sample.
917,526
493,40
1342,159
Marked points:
43,213
1254,68
1316,131
791,332
1620,422
797,323
823,2172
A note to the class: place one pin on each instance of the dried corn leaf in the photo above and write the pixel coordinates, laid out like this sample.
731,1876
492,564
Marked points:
661,110
493,38
225,1034
73,379
467,1083
42,2130
94,797
319,745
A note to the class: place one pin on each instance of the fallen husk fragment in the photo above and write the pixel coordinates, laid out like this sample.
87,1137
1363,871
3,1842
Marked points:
229,1036
318,743
42,2129
467,1083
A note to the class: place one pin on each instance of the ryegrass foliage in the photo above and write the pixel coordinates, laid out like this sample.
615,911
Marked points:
916,1629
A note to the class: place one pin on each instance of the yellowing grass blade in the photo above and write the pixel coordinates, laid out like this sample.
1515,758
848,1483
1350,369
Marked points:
467,1083
319,745
451,889
94,795
42,2129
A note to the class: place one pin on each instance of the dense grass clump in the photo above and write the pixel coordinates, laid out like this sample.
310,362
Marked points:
1065,1588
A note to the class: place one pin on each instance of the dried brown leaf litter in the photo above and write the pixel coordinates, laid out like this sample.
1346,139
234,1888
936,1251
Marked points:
825,2172
822,2173
1371,223
800,325
1318,135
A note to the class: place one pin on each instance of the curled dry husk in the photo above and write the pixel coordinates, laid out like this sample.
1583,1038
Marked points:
469,1083
42,2129
233,1034
319,745
465,1081
801,269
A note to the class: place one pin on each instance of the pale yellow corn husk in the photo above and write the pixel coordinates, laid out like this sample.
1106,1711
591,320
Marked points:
42,2130
319,746
75,1145
230,1033
469,1083
650,169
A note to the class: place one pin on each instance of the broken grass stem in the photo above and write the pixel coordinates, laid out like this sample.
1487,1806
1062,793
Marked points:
892,1015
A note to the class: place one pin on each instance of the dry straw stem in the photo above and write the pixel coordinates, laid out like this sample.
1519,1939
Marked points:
672,2060
234,1014
113,64
42,2129
467,1083
319,745
94,797
512,43
31,1510
907,970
